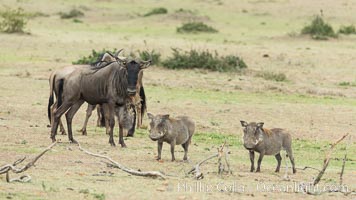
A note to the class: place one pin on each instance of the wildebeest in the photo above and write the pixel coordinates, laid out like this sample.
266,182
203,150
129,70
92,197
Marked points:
139,102
173,131
110,85
266,142
60,74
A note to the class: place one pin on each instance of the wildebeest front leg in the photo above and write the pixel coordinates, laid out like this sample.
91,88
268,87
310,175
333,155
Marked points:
260,161
69,116
279,159
160,145
173,144
252,159
121,135
110,122
88,112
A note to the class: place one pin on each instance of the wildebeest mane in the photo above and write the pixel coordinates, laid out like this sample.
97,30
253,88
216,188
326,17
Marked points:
119,79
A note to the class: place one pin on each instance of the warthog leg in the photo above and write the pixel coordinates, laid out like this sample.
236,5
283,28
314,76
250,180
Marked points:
252,159
279,159
290,155
185,147
160,145
69,116
173,144
260,161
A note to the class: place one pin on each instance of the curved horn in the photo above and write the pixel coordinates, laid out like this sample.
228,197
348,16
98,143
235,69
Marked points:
117,55
146,63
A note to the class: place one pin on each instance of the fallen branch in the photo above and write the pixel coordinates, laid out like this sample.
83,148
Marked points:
322,171
307,167
5,169
327,159
196,168
154,174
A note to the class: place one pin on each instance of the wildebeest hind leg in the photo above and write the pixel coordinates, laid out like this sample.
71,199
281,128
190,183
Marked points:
69,116
121,135
61,127
56,117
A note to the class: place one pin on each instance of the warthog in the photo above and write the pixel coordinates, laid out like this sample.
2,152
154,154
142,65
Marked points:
266,142
173,131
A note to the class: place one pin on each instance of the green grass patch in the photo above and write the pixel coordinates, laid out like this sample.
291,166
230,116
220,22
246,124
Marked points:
196,27
319,29
217,138
203,60
156,11
345,83
272,76
347,30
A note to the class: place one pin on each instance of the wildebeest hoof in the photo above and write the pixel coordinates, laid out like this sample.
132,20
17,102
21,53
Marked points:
112,144
173,159
277,171
294,171
258,170
123,145
63,133
73,141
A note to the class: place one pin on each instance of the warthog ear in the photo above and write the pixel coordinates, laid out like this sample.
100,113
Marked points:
165,116
260,125
150,116
243,123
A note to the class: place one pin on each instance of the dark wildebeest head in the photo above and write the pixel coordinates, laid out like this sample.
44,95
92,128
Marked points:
158,126
253,134
134,67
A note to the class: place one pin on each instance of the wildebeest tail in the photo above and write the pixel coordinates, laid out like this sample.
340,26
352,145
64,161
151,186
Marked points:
60,92
131,132
50,99
143,102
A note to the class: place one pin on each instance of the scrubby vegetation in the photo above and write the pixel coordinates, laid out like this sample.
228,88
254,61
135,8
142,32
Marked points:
196,27
203,60
71,14
347,30
156,11
93,57
272,76
13,21
319,29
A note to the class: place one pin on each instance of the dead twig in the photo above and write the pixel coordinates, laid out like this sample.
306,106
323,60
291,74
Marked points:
5,169
307,167
154,174
344,161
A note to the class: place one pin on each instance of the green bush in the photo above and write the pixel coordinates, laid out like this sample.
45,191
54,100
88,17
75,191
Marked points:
196,27
319,29
145,55
13,21
156,11
71,14
347,30
203,60
279,77
92,58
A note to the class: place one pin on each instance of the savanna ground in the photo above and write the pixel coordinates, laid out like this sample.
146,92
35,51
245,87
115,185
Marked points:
313,103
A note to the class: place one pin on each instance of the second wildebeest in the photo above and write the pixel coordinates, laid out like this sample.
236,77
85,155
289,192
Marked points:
266,142
109,85
177,131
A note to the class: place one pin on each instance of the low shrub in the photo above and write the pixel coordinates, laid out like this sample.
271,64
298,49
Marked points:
92,58
156,11
196,27
71,14
319,29
347,30
279,77
13,21
203,60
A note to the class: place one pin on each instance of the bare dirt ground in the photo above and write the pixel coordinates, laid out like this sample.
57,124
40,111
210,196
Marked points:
311,104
